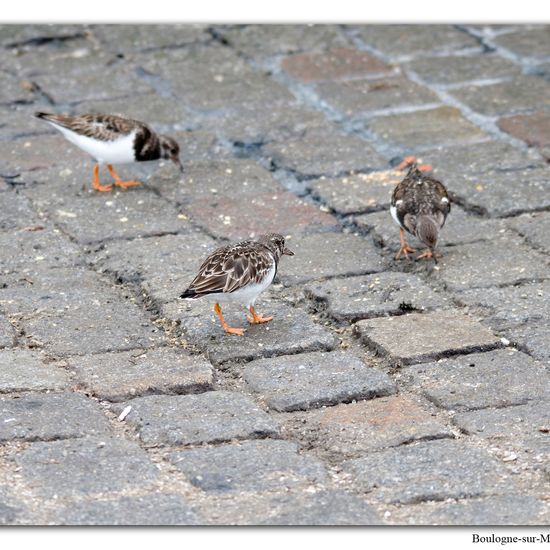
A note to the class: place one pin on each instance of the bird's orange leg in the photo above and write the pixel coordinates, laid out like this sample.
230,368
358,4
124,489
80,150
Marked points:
95,181
407,161
257,319
405,248
225,326
428,254
118,179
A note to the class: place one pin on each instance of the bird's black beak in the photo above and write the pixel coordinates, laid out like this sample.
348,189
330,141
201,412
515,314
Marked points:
178,163
287,252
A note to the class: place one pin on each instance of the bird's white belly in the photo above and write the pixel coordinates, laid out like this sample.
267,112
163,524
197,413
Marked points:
393,212
120,151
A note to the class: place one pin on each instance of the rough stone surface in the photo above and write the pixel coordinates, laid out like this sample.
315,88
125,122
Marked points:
436,335
334,64
44,417
532,42
432,470
211,417
355,429
535,228
154,509
26,370
367,296
255,466
424,128
340,257
85,466
7,334
291,331
313,380
532,128
498,378
123,375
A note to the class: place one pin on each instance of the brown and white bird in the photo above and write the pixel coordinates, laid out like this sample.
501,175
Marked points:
239,273
420,205
112,139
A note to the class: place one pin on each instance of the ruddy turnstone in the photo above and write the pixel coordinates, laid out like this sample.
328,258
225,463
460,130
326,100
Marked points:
419,205
113,139
239,273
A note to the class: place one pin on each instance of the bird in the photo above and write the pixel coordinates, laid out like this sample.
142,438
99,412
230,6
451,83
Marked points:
239,273
113,139
420,205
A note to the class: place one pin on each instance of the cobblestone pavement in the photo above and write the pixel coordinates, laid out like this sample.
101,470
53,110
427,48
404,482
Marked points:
384,392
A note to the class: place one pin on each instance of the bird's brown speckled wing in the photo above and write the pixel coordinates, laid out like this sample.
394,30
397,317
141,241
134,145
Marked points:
232,267
99,126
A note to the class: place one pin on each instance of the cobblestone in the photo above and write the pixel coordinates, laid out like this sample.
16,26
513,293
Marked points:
7,335
211,417
312,380
27,370
535,228
357,429
123,375
436,335
85,466
45,417
498,378
530,43
254,466
364,297
532,128
432,470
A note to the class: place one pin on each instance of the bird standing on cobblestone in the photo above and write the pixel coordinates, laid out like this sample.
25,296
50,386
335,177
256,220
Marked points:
239,273
112,139
419,205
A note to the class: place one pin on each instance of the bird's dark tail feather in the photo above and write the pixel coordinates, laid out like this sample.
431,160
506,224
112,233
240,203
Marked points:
189,293
40,114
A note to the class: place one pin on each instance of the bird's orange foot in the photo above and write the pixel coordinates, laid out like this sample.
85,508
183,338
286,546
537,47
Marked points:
126,184
427,254
408,161
233,330
102,188
256,319
404,251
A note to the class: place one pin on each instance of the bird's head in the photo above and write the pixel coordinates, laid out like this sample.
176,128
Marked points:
275,243
170,150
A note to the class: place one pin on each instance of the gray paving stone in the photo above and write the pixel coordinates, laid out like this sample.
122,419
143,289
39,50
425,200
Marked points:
123,375
499,510
268,40
435,335
357,193
68,198
46,417
75,311
153,509
26,370
16,212
46,247
324,151
11,509
499,261
454,69
211,417
531,43
163,266
367,296
426,128
7,334
19,35
535,228
460,228
432,470
534,339
524,427
519,94
354,97
312,380
410,40
355,429
85,466
131,38
510,306
255,466
495,379
340,257
290,332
